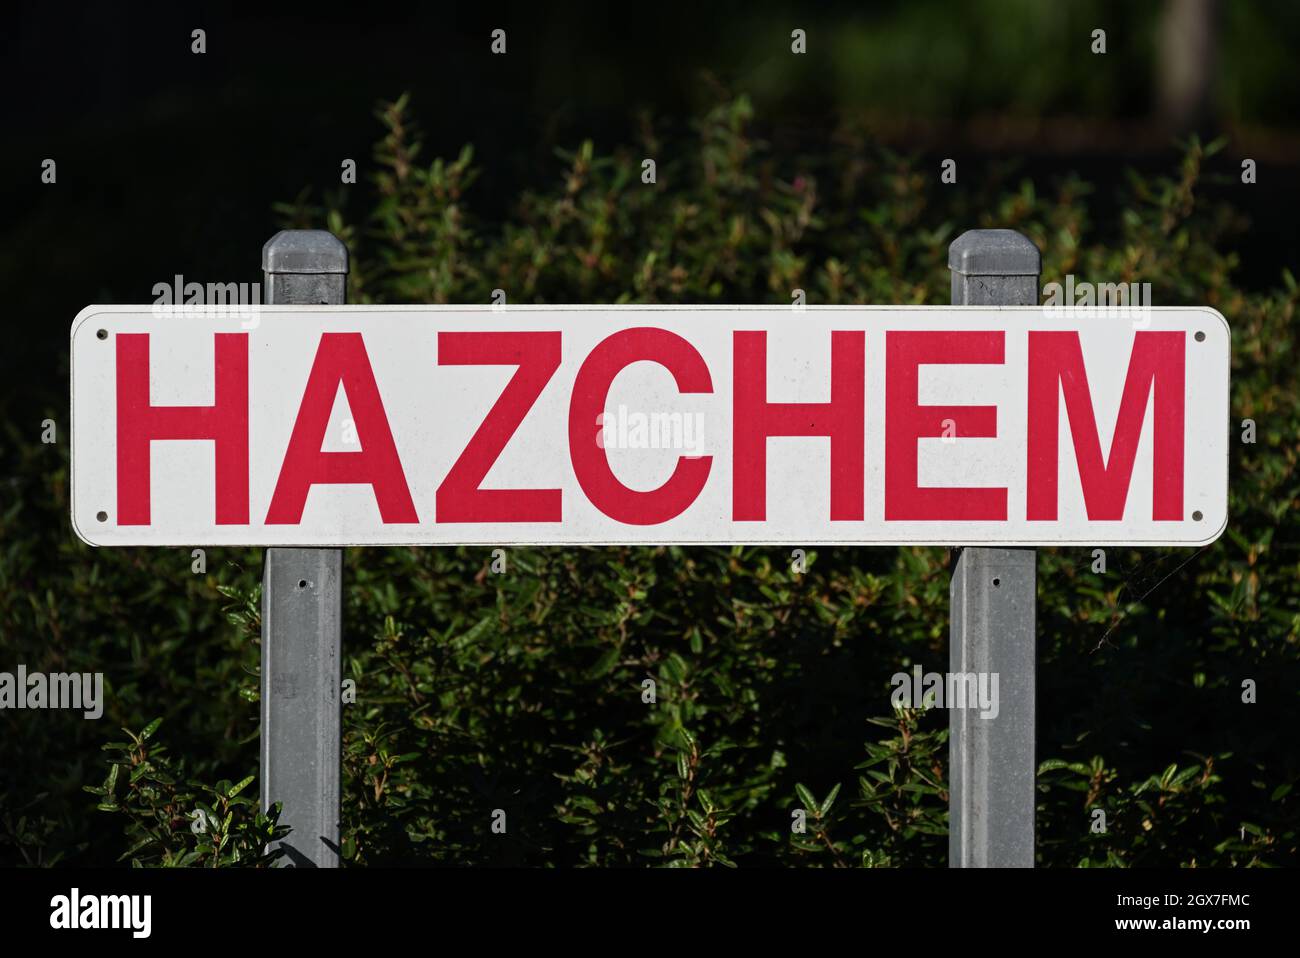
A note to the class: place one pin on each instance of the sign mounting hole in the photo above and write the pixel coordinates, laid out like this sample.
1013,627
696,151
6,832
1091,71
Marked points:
1196,516
102,334
1200,337
101,516
996,582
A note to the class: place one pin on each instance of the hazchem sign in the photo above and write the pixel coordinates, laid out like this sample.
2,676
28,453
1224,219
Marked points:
369,425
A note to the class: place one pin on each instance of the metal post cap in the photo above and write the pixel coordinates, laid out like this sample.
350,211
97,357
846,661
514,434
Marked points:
994,253
304,251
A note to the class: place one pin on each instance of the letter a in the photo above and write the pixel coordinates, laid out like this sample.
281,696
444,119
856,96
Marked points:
341,360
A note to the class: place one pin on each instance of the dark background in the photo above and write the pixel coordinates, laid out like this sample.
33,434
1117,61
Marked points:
169,162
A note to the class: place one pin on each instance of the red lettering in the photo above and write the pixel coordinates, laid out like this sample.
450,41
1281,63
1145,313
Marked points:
590,392
755,419
906,421
537,355
1155,364
224,423
341,359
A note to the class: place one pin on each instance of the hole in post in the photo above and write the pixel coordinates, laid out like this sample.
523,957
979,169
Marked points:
101,516
1200,337
102,334
302,583
996,582
1196,516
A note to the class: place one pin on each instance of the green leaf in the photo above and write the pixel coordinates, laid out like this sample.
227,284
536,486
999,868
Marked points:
830,799
806,797
605,664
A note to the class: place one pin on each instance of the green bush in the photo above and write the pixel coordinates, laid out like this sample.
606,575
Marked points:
524,691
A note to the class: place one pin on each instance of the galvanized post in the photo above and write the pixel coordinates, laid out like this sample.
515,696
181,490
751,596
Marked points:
302,613
993,593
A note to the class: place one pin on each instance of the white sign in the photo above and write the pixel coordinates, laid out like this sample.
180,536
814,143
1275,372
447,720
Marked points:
385,425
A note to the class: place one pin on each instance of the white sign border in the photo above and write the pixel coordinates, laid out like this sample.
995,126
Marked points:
499,313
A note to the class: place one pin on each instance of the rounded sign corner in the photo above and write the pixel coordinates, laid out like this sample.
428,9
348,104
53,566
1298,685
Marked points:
86,313
76,528
1215,536
1223,320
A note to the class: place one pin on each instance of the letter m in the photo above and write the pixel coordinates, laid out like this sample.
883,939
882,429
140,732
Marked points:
1156,365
